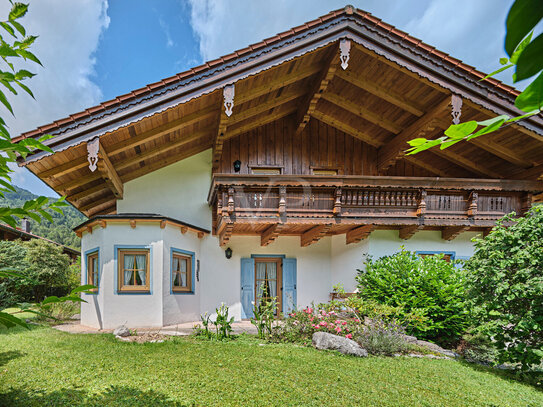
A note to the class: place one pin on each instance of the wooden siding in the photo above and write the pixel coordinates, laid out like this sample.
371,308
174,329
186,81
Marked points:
318,147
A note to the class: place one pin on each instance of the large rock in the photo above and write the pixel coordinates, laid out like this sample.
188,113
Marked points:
324,340
430,346
121,331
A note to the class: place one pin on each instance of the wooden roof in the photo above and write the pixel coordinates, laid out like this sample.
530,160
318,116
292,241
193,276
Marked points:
395,88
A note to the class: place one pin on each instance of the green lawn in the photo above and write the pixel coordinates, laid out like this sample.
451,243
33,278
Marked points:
45,367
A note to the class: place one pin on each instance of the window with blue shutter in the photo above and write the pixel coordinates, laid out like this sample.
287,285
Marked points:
247,287
289,286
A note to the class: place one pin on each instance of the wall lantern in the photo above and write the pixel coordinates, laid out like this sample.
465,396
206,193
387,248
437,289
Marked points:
237,165
228,253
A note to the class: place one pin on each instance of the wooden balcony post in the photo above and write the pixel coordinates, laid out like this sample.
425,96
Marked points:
282,200
230,200
421,209
472,208
337,203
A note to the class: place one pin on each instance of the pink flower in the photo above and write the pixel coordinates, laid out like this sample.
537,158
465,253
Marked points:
344,323
311,319
338,329
323,323
349,336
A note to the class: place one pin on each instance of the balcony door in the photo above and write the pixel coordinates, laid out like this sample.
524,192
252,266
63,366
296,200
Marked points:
268,281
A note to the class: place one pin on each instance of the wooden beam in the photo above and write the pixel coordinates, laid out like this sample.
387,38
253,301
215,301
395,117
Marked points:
357,109
383,92
75,198
317,90
163,148
94,204
219,138
109,174
261,122
183,229
351,131
277,83
162,130
416,160
407,232
225,234
536,172
72,165
395,148
472,165
314,234
359,233
270,234
77,182
450,232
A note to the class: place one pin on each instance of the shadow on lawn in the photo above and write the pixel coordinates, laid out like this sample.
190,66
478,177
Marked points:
114,396
5,357
533,379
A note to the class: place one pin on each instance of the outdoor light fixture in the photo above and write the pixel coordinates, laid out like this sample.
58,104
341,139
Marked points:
237,165
228,253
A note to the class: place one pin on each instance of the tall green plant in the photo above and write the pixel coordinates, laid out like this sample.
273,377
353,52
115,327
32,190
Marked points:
427,291
14,45
505,282
525,54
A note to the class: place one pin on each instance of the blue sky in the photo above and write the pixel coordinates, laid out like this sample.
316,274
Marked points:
94,50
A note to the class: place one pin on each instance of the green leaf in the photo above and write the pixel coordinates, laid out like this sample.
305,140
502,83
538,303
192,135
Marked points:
8,86
523,44
25,88
461,130
532,97
28,55
34,216
23,73
8,28
9,321
5,102
491,126
504,61
530,61
503,68
18,27
7,51
522,18
18,10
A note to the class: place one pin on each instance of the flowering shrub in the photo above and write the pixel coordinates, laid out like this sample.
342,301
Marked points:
301,325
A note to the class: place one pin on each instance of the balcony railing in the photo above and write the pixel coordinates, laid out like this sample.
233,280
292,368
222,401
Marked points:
375,200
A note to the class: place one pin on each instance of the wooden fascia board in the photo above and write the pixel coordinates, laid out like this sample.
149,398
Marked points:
368,37
109,174
160,221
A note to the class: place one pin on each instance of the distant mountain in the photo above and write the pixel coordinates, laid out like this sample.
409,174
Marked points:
60,230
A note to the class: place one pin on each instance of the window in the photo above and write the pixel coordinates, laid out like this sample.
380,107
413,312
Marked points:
93,270
447,256
329,171
266,170
181,273
133,270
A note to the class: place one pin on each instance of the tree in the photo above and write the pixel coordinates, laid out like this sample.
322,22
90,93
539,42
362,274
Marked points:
14,45
505,287
526,56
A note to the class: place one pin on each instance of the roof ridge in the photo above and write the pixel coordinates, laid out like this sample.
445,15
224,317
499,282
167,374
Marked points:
347,10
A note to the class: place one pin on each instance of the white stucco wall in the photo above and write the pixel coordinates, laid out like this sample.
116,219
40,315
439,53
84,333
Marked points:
180,192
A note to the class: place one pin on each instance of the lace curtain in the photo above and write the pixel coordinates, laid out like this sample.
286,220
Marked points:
135,264
179,272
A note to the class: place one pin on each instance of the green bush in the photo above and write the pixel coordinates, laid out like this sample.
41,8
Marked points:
379,337
428,293
45,269
505,287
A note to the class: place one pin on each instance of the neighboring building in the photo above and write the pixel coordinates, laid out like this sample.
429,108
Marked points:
283,163
9,233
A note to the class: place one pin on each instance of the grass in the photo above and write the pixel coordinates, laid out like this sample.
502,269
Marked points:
45,367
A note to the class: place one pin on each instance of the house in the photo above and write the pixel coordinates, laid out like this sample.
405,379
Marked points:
281,166
24,233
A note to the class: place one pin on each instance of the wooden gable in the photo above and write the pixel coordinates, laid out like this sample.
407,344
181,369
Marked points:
295,107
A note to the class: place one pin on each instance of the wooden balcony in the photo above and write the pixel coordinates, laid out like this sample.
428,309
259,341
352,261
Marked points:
297,205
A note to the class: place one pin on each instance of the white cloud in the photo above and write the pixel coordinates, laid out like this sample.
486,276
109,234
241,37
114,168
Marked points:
166,30
69,32
470,30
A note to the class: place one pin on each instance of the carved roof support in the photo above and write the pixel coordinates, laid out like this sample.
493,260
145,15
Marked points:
407,232
270,234
451,232
357,234
314,234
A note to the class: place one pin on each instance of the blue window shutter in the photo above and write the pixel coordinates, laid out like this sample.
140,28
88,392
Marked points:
247,287
289,286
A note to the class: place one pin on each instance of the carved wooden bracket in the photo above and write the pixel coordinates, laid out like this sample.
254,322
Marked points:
93,147
456,103
228,93
344,50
